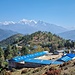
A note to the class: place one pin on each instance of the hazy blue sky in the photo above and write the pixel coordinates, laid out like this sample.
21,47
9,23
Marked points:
59,12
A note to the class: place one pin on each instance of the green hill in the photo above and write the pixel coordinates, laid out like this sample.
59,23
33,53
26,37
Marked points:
37,39
11,40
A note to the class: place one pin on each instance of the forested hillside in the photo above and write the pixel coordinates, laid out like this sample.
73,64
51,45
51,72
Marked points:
37,38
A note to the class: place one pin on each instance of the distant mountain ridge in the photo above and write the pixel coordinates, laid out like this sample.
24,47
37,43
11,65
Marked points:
11,39
5,34
68,35
30,26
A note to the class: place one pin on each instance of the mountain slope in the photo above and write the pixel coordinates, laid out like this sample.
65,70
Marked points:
29,26
5,34
68,35
10,40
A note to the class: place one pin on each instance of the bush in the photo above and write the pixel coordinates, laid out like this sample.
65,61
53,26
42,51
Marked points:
8,73
6,64
0,69
53,71
66,74
3,72
36,70
13,70
24,71
74,63
65,68
52,68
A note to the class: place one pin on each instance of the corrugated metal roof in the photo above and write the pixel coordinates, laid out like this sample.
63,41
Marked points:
18,59
36,54
22,58
71,55
57,62
47,62
65,59
30,58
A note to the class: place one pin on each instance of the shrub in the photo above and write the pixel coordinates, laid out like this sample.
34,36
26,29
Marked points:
53,71
74,63
65,73
24,71
61,65
36,70
65,68
8,73
51,68
13,70
3,72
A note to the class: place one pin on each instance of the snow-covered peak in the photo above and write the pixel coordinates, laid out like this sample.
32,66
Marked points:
7,22
25,21
42,23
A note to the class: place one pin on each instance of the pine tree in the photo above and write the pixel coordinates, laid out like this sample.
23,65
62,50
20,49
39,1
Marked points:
8,52
15,51
24,50
1,57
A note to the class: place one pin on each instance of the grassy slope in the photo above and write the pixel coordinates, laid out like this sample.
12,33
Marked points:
66,70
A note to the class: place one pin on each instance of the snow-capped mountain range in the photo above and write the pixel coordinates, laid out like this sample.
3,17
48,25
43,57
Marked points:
25,26
23,21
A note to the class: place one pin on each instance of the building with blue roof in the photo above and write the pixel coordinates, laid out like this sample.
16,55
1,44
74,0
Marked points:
70,55
65,59
45,62
29,60
22,59
57,62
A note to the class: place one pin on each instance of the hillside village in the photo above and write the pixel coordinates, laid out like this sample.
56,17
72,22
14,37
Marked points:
37,37
39,49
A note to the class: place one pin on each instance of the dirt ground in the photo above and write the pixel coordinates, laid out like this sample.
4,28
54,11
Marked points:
48,57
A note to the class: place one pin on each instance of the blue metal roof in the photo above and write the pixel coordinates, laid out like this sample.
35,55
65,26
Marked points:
65,59
30,58
71,55
57,62
18,59
35,54
22,58
47,62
